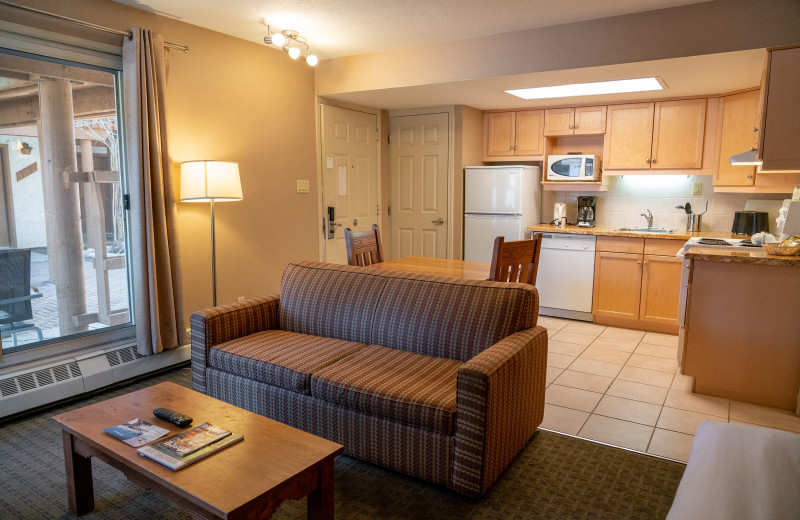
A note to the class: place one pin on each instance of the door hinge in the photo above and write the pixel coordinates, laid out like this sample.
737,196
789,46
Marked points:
126,202
389,211
389,138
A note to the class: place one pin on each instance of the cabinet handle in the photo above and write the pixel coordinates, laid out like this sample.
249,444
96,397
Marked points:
516,148
571,126
755,129
652,161
638,262
749,176
576,126
647,160
511,147
645,262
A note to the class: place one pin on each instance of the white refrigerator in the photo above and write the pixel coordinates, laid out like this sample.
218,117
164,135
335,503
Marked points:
499,201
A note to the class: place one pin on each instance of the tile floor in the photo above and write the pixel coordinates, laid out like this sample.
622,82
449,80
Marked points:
623,387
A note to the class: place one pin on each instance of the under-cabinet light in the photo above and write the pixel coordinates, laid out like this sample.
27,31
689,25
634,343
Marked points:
589,89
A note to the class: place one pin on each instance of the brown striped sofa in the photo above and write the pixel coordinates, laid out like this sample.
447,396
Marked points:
438,378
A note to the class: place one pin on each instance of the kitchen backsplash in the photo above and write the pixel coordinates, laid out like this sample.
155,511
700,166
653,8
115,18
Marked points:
629,196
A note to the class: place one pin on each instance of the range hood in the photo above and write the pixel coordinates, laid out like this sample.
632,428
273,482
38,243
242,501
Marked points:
748,158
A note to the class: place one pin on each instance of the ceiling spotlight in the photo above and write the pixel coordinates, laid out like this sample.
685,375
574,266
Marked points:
278,39
290,40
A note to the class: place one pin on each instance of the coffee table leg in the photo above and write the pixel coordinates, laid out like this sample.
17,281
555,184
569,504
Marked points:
320,501
80,491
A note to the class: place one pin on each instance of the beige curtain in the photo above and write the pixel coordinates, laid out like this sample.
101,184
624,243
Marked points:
156,259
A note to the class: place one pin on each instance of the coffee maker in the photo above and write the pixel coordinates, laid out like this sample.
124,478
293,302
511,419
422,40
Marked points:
586,211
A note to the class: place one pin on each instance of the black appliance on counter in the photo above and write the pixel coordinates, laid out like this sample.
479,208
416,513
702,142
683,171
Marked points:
750,222
586,211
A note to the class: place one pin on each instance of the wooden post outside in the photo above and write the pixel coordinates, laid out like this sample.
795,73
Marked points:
62,207
96,231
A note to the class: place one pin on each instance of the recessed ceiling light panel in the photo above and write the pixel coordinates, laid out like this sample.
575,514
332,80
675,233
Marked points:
590,89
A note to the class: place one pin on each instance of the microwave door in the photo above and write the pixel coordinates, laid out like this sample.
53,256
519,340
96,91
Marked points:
567,169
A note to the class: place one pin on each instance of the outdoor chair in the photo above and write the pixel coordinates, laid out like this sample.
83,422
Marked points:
16,294
363,247
516,261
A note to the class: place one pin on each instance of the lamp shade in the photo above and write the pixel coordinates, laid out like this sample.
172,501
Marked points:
203,181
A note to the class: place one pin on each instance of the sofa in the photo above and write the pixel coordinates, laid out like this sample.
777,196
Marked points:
439,378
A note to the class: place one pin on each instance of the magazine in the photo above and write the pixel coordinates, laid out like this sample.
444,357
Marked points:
175,463
188,442
136,432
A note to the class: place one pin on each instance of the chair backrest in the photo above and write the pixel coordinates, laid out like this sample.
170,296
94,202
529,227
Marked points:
363,247
516,261
15,283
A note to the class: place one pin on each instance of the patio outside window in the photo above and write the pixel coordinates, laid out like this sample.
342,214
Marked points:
63,230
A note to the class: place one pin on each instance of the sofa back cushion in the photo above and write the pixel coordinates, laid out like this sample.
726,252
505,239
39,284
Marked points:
428,315
447,318
335,301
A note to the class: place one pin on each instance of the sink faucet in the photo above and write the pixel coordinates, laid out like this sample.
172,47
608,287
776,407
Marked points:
649,217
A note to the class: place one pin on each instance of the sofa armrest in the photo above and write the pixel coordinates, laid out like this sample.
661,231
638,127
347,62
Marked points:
499,404
220,324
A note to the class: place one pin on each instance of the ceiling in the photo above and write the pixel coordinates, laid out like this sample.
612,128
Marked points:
338,28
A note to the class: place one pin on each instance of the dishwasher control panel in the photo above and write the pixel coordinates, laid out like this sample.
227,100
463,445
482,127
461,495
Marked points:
569,242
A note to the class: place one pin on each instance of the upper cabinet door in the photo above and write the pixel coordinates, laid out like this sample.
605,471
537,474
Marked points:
629,132
738,115
530,139
589,120
678,130
780,123
559,121
500,128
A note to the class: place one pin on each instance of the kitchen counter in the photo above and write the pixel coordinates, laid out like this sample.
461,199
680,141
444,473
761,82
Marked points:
677,235
727,256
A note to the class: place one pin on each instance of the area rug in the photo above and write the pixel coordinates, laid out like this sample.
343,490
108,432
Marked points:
555,477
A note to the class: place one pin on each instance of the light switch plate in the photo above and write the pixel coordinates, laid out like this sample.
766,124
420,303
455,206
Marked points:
303,186
329,162
697,188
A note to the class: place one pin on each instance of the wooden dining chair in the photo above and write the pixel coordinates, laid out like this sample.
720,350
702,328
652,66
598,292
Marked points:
363,247
516,261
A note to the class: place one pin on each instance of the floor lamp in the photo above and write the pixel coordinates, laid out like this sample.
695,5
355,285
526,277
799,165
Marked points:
210,181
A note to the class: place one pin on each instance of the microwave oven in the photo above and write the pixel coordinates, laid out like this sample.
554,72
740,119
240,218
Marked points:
573,168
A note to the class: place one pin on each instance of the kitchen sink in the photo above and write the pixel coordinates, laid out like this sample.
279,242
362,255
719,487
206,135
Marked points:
647,230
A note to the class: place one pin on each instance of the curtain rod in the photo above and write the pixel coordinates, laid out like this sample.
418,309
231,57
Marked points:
95,26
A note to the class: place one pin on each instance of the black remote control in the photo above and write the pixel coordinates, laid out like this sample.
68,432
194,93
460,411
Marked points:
172,416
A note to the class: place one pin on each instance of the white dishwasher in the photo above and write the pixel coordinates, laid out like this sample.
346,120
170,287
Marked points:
565,278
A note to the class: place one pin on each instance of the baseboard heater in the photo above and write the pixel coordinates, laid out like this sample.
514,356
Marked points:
48,383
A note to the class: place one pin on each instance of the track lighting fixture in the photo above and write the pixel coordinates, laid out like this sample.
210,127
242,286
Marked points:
291,41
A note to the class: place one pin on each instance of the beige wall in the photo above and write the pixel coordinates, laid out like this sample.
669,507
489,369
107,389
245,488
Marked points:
691,30
231,100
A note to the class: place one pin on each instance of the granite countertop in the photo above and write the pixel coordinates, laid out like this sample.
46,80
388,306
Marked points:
677,235
730,256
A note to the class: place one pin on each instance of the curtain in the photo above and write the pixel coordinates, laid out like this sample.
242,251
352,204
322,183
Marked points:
154,248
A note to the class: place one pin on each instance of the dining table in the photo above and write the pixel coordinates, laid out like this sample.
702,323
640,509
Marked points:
463,269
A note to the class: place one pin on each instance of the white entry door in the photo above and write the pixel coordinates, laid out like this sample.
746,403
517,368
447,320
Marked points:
349,175
419,155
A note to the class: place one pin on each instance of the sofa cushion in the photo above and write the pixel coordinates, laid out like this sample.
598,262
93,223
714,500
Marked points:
456,319
280,358
335,301
394,384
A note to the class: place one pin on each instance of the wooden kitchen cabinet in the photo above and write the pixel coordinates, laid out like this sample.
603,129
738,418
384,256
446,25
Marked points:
780,113
513,134
738,116
637,283
617,285
575,121
662,135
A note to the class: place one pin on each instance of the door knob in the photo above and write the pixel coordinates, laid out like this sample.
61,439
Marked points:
438,221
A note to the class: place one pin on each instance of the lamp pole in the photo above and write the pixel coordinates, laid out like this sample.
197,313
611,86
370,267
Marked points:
213,257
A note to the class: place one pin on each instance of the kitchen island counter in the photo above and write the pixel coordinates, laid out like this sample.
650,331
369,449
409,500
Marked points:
728,256
605,231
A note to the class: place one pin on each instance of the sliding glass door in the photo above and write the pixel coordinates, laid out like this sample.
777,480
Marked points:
63,230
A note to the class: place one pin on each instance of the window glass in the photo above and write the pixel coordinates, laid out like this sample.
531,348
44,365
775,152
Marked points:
63,230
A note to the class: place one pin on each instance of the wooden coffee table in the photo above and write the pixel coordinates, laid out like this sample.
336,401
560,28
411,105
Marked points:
249,479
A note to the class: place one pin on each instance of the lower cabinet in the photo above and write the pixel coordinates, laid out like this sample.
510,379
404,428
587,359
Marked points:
637,283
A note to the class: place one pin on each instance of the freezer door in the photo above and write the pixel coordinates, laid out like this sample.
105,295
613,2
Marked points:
481,230
493,190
